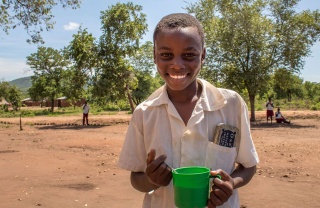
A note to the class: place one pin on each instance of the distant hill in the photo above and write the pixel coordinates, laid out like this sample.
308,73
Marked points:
23,83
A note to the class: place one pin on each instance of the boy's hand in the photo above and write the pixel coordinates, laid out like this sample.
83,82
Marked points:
221,190
158,172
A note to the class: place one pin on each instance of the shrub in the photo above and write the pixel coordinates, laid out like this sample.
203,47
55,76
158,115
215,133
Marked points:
315,107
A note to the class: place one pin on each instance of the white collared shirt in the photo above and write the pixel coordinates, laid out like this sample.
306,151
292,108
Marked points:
269,106
86,109
156,124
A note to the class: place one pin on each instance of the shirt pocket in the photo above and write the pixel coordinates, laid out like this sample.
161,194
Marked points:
219,157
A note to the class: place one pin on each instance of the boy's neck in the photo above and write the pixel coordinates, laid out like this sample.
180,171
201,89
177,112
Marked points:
184,101
188,95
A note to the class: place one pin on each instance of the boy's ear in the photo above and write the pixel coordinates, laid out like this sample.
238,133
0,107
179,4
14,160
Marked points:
154,56
203,57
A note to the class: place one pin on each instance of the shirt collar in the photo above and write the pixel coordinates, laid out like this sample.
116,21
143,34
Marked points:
211,98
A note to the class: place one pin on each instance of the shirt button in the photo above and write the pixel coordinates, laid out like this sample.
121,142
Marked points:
187,133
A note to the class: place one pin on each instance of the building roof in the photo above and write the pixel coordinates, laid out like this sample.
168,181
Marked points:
3,101
62,98
27,99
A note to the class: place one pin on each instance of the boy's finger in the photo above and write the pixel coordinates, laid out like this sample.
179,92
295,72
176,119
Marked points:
151,156
156,164
224,176
226,182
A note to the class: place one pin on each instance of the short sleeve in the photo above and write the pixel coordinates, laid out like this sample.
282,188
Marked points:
247,154
133,154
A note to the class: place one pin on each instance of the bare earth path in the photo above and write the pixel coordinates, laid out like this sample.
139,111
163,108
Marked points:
54,162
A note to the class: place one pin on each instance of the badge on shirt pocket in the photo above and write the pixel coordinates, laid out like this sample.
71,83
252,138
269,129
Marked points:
226,135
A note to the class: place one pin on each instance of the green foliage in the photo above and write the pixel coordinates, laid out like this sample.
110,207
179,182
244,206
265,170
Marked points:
4,89
73,85
312,89
42,112
119,105
109,108
34,15
287,85
295,104
247,41
254,47
315,107
49,70
144,69
3,108
82,52
14,97
147,84
123,25
143,60
11,94
23,84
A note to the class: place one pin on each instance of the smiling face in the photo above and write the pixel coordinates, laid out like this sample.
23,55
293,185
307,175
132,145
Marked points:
178,54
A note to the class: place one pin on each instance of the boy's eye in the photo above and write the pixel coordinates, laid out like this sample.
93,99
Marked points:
185,55
189,55
166,55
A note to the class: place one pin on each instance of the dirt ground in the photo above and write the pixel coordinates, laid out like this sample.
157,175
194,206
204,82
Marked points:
55,162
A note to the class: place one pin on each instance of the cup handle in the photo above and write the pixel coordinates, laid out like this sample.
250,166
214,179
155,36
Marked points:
216,176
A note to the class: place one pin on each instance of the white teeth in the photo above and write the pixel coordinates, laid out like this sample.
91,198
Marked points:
178,76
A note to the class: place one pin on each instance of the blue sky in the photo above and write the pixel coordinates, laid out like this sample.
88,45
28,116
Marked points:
14,49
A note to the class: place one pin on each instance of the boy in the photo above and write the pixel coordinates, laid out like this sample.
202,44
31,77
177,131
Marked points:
175,126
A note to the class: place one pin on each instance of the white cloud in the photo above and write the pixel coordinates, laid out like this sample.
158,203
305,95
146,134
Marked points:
11,69
71,26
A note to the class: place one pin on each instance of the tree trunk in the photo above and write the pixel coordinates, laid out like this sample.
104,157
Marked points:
289,95
52,104
130,99
253,114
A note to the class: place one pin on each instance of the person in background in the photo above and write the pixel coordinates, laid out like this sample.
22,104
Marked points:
280,118
85,116
270,107
175,126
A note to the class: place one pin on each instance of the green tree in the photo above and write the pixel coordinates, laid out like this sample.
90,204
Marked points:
33,15
312,89
73,85
4,89
49,66
143,60
248,40
144,71
123,25
36,91
287,84
14,97
82,52
11,94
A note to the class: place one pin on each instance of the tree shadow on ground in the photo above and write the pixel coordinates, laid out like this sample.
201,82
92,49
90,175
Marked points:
264,125
70,127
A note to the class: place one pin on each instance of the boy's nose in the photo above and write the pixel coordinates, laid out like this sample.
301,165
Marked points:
177,63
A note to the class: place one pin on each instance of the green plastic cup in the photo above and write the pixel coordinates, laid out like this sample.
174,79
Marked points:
191,186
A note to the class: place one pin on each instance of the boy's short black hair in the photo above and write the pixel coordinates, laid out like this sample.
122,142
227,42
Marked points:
179,20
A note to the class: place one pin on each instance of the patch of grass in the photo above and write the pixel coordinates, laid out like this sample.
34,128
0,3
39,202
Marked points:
295,104
69,111
315,107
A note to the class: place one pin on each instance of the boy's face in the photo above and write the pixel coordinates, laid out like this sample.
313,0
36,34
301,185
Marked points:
178,54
